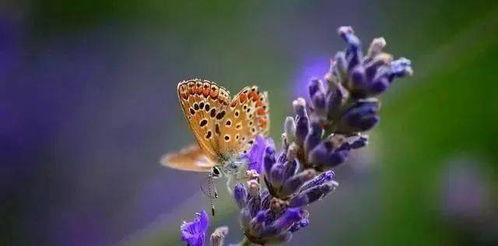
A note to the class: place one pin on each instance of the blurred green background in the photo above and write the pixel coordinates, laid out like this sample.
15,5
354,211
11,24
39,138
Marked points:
88,105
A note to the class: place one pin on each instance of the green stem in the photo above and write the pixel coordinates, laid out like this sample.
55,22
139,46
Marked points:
245,242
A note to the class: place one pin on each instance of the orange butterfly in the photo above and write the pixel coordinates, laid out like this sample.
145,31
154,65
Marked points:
224,128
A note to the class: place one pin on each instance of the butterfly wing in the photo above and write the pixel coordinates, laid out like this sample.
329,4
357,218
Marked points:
221,126
188,159
204,105
247,115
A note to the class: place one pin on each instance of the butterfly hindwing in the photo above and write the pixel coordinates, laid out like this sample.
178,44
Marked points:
247,116
189,159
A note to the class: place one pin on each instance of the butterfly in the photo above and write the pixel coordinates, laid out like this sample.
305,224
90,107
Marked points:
223,127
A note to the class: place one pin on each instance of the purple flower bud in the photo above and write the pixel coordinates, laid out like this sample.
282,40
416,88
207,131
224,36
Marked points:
245,218
277,175
343,146
345,30
353,51
378,86
286,220
318,101
194,233
294,183
347,33
290,129
319,155
325,156
282,158
401,67
335,99
319,180
260,218
265,200
257,224
299,225
341,65
240,195
358,78
253,188
304,222
300,107
359,142
360,117
314,137
312,194
302,127
298,201
254,204
292,152
368,123
376,63
314,87
376,47
283,223
291,168
337,157
269,159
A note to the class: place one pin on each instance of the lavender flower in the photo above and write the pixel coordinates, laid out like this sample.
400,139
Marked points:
319,137
266,219
256,153
343,105
194,232
273,214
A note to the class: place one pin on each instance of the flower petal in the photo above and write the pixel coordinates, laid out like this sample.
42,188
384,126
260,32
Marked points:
194,232
257,153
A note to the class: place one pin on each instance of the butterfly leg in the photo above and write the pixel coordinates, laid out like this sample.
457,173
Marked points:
212,188
210,191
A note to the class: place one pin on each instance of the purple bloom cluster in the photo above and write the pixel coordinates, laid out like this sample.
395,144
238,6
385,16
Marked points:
343,105
271,215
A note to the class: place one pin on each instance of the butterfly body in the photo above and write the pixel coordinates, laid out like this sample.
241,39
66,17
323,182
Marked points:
223,127
229,168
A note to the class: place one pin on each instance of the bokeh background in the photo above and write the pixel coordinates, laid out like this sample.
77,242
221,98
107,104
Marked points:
88,105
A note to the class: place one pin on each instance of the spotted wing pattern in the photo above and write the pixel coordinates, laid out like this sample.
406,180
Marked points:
247,116
204,105
223,127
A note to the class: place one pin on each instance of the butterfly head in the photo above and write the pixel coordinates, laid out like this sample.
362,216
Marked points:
216,172
229,166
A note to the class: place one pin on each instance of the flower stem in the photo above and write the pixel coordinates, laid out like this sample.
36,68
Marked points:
245,242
